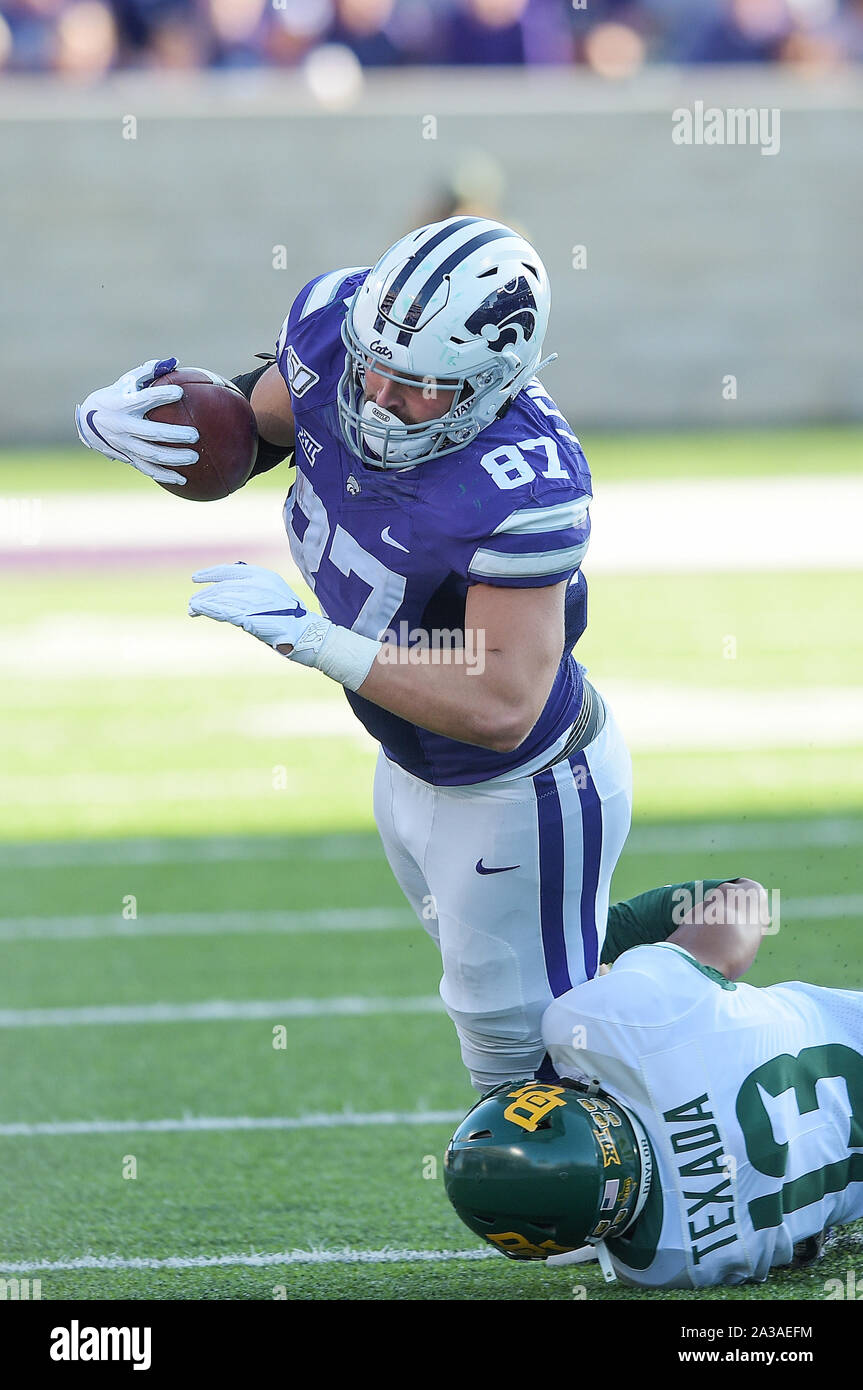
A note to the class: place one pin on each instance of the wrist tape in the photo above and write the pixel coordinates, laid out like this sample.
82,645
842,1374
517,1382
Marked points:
342,655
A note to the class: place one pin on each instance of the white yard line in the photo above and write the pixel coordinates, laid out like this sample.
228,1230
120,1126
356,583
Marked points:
734,524
658,717
192,1124
286,705
712,837
85,854
654,716
160,924
91,645
86,928
744,834
128,789
254,1260
217,1010
754,524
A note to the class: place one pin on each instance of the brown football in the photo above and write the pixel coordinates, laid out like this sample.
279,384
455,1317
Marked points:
226,425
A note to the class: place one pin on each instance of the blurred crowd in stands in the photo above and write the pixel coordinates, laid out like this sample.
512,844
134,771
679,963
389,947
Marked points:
612,37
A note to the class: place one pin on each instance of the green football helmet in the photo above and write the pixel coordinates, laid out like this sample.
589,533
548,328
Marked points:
539,1170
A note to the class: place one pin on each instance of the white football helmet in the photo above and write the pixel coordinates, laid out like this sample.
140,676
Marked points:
458,307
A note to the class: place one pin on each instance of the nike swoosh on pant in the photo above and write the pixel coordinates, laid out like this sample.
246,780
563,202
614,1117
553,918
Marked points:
507,868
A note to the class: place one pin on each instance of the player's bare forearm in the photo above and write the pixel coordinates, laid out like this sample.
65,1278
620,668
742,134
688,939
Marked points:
271,402
456,700
493,690
513,646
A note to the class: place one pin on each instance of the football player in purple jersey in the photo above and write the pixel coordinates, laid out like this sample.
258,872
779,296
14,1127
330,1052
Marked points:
440,516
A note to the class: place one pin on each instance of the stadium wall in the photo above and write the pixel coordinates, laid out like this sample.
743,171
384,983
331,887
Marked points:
146,217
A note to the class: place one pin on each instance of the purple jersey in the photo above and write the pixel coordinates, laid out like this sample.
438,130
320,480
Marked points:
395,551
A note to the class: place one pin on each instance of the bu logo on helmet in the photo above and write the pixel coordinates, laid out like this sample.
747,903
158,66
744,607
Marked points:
534,1101
505,316
514,1244
380,348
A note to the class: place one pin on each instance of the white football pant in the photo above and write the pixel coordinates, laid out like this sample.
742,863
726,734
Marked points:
511,879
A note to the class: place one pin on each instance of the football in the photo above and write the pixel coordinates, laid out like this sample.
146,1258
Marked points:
226,425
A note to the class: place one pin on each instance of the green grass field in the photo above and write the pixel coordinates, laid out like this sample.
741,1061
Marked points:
235,1192
243,854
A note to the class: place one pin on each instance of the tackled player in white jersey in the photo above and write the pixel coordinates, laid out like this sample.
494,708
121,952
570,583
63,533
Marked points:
704,1130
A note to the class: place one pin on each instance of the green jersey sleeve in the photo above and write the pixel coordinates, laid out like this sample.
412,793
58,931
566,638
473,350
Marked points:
647,918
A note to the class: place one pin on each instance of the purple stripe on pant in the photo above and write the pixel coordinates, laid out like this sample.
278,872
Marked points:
591,836
551,882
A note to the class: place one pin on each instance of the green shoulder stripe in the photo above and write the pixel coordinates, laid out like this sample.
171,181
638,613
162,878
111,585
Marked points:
710,971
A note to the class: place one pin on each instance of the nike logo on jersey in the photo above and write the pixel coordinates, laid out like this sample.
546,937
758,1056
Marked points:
390,540
507,868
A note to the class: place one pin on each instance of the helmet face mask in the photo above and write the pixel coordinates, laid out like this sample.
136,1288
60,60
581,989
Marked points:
538,1169
459,307
380,438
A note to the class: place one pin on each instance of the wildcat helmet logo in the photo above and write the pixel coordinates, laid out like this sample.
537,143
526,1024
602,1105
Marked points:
507,317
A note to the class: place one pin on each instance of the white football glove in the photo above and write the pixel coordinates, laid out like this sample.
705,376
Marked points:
260,602
112,421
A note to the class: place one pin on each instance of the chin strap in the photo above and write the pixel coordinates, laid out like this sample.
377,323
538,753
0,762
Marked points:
552,357
521,380
586,1254
605,1264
